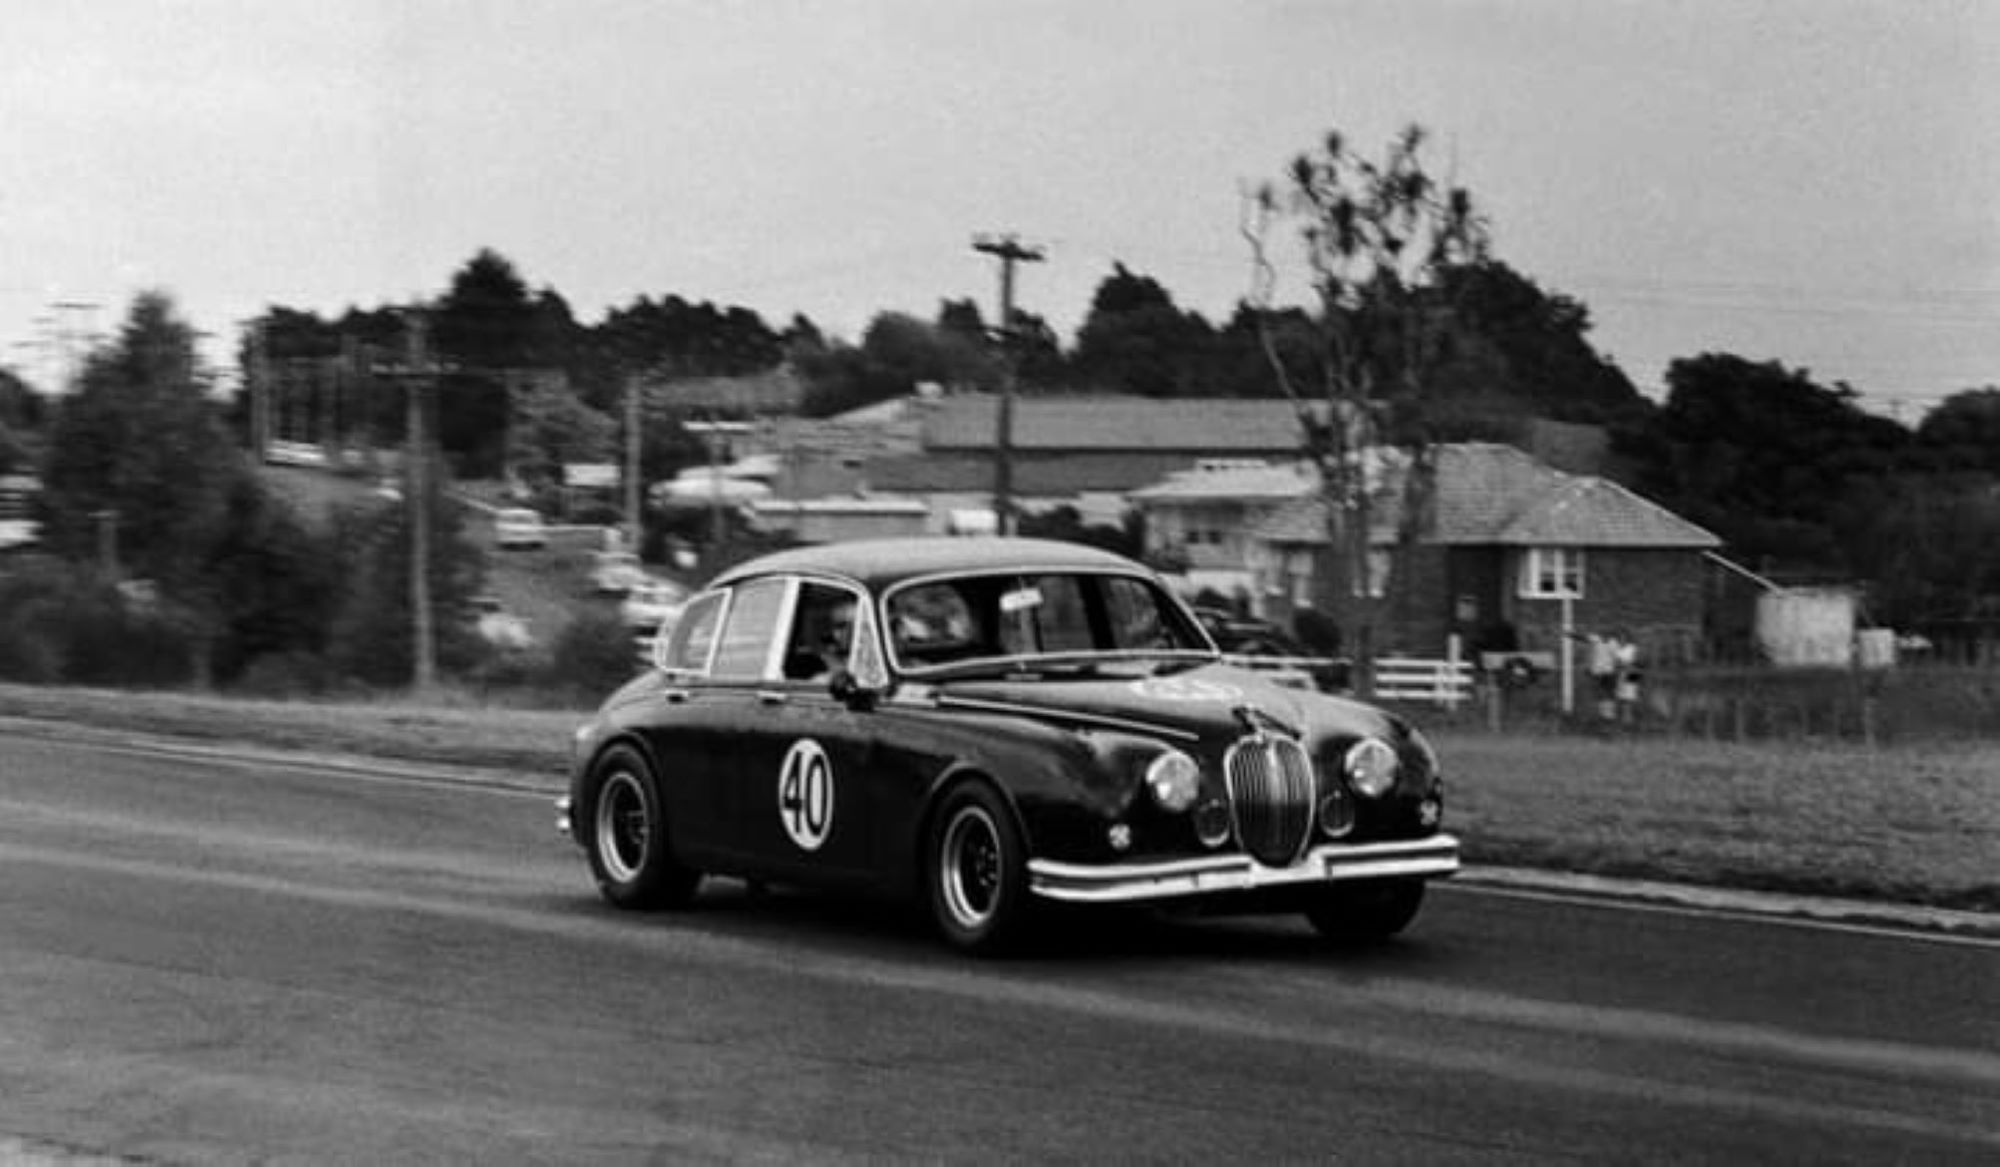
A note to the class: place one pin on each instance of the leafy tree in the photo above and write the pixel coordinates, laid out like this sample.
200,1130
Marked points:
274,580
1380,240
1763,456
1528,351
1136,340
1963,432
22,417
552,427
371,637
139,453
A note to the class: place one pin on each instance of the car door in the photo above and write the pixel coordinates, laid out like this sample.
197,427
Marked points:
807,792
712,741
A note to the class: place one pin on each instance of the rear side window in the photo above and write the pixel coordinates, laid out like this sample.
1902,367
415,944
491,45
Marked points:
749,630
693,637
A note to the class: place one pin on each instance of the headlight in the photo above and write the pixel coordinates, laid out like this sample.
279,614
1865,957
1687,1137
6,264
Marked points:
1174,780
1370,767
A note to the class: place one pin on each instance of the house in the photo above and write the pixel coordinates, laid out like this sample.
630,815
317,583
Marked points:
1511,550
1086,452
1200,519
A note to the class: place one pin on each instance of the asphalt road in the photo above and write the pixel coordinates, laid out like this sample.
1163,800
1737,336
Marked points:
206,961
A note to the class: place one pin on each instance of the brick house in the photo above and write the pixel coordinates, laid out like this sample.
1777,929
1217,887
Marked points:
1513,549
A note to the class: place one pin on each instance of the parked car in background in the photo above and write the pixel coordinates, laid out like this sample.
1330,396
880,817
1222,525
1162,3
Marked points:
616,572
519,527
652,604
499,627
988,725
1262,645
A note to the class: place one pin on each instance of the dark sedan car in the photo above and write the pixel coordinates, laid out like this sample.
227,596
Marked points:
1262,645
985,725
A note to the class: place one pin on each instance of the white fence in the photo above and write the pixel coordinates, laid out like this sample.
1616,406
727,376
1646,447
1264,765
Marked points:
1446,681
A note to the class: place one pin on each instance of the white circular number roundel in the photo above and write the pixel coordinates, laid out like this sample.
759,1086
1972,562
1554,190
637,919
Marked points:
805,794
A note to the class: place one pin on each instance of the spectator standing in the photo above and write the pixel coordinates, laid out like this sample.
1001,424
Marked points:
1625,688
1601,664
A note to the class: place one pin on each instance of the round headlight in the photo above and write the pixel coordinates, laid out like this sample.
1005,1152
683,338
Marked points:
1371,767
1174,780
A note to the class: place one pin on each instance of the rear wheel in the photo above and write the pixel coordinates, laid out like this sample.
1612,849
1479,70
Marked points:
1362,913
629,851
976,871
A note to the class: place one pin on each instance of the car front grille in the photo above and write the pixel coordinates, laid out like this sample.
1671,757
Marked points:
1271,794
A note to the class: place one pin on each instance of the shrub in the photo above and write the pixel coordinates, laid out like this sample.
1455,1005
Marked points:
593,654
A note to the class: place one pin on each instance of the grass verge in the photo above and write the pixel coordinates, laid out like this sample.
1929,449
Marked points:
1914,825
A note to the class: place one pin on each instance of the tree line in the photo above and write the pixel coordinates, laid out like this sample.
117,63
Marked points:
1427,337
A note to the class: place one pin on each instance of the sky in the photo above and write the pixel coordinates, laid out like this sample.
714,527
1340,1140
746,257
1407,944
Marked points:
1805,181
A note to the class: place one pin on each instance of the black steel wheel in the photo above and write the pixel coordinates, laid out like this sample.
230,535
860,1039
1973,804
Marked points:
976,870
629,850
1364,913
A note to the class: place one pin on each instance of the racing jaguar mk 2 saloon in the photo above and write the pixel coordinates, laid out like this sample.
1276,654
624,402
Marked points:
988,725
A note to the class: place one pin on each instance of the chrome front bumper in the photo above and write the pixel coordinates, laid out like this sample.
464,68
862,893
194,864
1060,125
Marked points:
1430,858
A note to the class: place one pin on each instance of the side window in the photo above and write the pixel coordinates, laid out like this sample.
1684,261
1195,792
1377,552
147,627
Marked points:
749,630
687,649
1138,618
1065,625
931,624
822,634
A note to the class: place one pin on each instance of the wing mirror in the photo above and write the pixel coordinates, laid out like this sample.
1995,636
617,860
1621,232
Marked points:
848,689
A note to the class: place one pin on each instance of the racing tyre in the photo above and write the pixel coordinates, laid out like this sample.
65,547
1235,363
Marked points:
1365,913
629,851
976,872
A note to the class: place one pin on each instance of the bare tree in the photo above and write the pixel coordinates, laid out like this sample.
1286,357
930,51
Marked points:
1377,239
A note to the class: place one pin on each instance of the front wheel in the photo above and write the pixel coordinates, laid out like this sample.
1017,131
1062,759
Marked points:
629,851
1363,913
976,872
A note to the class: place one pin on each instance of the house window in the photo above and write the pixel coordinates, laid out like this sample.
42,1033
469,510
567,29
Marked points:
1552,573
1299,578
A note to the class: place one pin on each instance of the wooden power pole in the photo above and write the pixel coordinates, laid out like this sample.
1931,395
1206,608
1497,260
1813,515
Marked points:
418,372
1010,251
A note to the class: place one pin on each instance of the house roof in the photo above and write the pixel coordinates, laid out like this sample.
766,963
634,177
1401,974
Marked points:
1230,483
1195,425
1489,494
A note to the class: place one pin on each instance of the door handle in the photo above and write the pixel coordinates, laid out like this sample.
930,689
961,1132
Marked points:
674,696
770,697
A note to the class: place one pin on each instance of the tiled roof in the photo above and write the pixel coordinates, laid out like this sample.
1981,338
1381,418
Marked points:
1491,494
1231,483
1207,425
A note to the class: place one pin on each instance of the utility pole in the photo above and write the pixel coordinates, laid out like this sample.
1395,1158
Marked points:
1010,251
418,373
634,519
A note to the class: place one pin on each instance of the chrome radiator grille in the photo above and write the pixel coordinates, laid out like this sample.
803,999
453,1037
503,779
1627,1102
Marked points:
1271,795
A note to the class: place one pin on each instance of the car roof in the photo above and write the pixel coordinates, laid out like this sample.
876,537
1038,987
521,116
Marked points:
879,563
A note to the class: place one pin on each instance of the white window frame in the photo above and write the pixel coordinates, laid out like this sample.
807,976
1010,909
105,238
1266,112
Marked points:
1552,573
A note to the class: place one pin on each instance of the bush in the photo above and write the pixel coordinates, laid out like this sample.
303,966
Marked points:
594,654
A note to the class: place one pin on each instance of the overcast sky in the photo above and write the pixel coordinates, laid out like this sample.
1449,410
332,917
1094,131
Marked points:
1810,181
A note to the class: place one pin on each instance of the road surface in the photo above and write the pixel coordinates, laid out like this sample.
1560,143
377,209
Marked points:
205,960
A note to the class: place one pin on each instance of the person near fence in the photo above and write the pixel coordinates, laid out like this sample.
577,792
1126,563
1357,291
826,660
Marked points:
1625,685
1601,664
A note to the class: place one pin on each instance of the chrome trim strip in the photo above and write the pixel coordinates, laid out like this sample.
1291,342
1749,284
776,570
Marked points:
1430,858
1106,721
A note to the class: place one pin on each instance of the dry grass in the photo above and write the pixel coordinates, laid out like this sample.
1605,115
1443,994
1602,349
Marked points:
1918,825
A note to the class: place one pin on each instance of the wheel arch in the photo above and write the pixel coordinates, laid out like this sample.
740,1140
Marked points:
951,778
584,813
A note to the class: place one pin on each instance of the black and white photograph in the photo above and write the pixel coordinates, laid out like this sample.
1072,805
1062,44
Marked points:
1037,581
